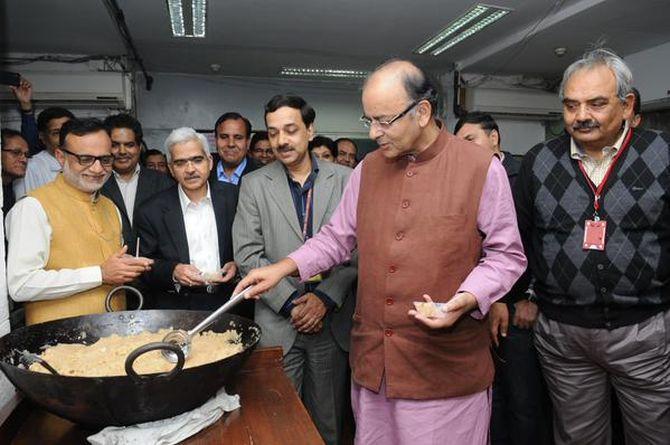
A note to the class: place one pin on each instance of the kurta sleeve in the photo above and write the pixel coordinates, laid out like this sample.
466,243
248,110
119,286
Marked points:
29,236
503,260
337,239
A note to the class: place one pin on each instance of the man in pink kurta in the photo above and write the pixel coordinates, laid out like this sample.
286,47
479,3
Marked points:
433,219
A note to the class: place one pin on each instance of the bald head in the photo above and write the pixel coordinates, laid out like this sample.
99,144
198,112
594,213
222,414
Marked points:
399,74
399,102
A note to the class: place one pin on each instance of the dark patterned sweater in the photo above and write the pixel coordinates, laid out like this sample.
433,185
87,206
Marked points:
630,280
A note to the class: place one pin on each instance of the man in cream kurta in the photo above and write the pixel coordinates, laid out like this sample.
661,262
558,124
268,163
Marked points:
65,246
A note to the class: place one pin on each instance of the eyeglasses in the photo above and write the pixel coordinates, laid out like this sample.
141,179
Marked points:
370,121
89,160
17,153
196,160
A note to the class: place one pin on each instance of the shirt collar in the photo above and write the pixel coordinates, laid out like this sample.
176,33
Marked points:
237,174
135,174
185,201
577,152
312,175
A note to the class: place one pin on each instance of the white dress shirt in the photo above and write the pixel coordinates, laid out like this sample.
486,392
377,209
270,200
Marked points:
42,169
201,234
128,190
29,235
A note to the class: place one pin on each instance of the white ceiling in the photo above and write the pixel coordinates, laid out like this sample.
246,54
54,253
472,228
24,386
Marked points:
258,37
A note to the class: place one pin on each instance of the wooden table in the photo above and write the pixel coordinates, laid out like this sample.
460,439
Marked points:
271,413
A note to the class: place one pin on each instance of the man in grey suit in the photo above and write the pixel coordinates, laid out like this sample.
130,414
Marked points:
279,207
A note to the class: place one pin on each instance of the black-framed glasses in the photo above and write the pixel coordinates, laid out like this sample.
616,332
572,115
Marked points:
196,160
89,160
17,153
370,121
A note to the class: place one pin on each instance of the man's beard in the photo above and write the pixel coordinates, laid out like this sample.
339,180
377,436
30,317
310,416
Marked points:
78,181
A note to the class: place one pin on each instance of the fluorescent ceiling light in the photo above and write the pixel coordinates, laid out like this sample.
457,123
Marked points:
199,15
176,18
481,15
489,20
187,15
323,72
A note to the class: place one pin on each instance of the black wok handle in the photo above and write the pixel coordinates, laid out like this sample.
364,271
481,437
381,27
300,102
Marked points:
108,298
130,361
36,358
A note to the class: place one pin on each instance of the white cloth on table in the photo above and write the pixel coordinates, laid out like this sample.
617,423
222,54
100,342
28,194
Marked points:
169,431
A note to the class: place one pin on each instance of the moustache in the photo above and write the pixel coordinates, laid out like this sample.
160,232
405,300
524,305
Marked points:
122,157
585,125
284,148
192,177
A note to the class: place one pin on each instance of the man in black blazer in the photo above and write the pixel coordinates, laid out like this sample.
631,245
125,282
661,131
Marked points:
186,230
232,133
130,185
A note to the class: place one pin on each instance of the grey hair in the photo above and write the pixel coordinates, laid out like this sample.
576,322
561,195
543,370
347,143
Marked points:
182,135
602,57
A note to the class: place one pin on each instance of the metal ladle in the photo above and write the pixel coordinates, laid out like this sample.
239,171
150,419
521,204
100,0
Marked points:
183,338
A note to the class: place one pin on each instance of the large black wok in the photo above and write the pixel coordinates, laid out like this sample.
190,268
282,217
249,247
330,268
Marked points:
122,400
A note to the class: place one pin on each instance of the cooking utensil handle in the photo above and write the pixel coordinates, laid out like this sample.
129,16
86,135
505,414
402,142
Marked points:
234,300
139,378
36,358
108,298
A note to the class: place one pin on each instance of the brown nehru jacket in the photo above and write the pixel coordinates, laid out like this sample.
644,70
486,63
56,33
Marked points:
417,234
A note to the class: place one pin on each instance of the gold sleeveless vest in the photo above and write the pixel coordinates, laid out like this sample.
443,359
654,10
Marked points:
84,232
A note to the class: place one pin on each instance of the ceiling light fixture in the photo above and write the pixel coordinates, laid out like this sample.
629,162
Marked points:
199,16
323,72
188,15
176,18
484,15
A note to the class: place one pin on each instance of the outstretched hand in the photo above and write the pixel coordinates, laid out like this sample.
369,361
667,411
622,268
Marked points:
265,278
460,304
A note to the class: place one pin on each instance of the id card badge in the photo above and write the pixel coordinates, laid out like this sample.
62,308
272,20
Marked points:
594,235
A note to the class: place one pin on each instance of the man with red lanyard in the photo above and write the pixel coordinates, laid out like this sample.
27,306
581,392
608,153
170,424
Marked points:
280,206
593,208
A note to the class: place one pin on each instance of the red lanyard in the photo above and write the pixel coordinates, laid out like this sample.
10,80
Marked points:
597,192
308,209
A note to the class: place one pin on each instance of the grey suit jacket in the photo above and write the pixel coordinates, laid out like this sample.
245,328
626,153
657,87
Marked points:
266,230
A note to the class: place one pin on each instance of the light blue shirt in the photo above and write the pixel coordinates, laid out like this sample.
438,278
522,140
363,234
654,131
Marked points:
235,177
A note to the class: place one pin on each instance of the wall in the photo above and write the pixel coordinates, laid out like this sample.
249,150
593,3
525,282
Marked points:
650,72
197,101
184,100
518,136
